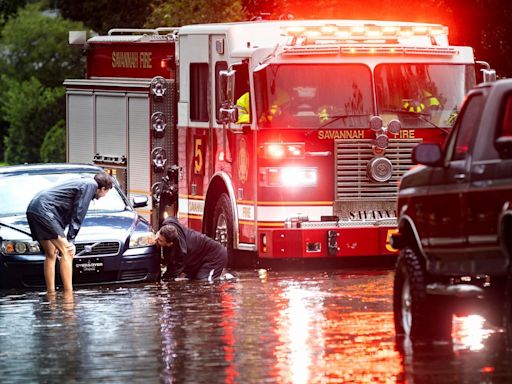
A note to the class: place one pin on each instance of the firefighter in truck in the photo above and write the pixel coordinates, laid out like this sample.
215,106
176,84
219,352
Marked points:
279,139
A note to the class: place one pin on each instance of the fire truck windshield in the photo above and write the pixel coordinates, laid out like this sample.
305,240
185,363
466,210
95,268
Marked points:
422,95
310,96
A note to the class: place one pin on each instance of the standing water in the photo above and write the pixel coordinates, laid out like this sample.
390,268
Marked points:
264,327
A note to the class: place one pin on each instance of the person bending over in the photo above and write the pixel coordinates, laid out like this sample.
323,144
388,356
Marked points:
51,211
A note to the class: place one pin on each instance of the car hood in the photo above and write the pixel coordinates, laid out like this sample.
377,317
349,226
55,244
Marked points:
96,227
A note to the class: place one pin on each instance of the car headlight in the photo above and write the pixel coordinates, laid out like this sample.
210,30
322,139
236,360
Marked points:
19,247
142,239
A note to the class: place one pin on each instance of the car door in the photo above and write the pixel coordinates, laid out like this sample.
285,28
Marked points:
446,232
489,190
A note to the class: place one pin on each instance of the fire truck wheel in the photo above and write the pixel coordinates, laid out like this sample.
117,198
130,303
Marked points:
222,225
417,315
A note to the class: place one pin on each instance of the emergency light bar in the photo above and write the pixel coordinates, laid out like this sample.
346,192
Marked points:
360,49
365,31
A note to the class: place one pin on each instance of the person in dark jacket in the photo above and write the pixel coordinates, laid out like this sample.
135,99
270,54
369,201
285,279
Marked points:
54,209
189,253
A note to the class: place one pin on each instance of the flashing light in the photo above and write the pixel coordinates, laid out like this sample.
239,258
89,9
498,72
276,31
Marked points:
282,150
366,31
328,29
289,176
313,33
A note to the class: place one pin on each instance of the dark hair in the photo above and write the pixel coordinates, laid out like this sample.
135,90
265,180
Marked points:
169,232
104,180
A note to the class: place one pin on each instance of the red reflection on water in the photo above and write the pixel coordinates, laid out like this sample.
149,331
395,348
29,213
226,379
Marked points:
319,342
228,325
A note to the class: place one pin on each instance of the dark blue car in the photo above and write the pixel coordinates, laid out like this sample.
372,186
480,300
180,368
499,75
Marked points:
111,247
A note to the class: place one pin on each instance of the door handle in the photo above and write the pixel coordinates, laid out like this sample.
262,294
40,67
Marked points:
459,176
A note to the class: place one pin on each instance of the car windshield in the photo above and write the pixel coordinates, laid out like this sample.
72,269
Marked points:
312,96
16,192
422,95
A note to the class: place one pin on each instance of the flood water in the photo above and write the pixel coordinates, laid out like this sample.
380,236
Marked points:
265,327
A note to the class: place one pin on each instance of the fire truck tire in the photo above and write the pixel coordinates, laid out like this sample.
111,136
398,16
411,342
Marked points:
417,315
222,225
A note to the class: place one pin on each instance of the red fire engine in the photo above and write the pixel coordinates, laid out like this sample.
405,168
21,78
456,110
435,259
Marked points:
304,165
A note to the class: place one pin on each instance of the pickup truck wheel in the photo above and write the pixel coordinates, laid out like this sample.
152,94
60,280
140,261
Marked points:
417,315
507,313
222,225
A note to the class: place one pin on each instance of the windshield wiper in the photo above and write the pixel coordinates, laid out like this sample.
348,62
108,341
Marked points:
334,118
418,115
15,228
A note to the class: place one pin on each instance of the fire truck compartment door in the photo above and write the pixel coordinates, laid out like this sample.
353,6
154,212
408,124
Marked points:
111,135
80,146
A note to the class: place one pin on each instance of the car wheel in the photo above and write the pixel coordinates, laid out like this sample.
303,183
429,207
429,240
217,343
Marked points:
418,315
222,225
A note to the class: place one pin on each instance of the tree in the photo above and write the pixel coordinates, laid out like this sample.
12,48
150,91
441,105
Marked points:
35,44
102,15
175,13
31,110
8,8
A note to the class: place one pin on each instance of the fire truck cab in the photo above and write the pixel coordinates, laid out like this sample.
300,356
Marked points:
283,138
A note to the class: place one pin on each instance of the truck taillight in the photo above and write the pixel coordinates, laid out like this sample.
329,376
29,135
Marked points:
288,176
282,150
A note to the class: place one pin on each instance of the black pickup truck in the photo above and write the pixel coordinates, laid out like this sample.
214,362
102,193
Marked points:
455,221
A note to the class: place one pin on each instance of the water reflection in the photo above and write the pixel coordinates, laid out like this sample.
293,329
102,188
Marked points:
274,327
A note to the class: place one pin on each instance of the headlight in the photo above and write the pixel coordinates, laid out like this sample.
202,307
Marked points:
142,239
15,247
288,177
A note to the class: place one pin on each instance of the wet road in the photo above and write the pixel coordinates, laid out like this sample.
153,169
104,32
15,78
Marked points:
274,327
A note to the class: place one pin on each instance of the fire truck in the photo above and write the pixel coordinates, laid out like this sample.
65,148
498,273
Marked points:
285,139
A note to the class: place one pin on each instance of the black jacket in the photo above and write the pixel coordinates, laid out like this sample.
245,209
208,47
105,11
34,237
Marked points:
67,203
191,252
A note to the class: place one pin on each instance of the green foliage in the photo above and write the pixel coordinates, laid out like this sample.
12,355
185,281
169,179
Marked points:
53,149
175,13
35,44
31,110
102,15
8,8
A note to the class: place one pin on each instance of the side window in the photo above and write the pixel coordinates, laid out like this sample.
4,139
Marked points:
466,127
199,92
242,94
219,66
506,124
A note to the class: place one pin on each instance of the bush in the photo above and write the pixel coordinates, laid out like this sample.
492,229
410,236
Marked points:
53,149
31,110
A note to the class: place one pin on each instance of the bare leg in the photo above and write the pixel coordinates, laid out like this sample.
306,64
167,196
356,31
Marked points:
49,264
66,262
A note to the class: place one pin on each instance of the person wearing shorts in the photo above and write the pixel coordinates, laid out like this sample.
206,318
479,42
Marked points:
54,209
189,253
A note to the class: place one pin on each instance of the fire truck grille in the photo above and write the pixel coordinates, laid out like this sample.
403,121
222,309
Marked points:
352,158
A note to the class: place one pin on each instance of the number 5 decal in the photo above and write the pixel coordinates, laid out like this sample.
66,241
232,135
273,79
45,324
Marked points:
388,240
198,155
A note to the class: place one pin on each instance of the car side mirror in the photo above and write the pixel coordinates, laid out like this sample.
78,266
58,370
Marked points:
504,146
139,201
428,154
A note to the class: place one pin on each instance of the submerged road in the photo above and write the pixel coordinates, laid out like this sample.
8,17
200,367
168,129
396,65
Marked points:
265,327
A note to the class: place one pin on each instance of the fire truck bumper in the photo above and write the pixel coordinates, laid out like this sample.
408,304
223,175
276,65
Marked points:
326,242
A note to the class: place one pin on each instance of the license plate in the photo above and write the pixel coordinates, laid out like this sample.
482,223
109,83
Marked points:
89,265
